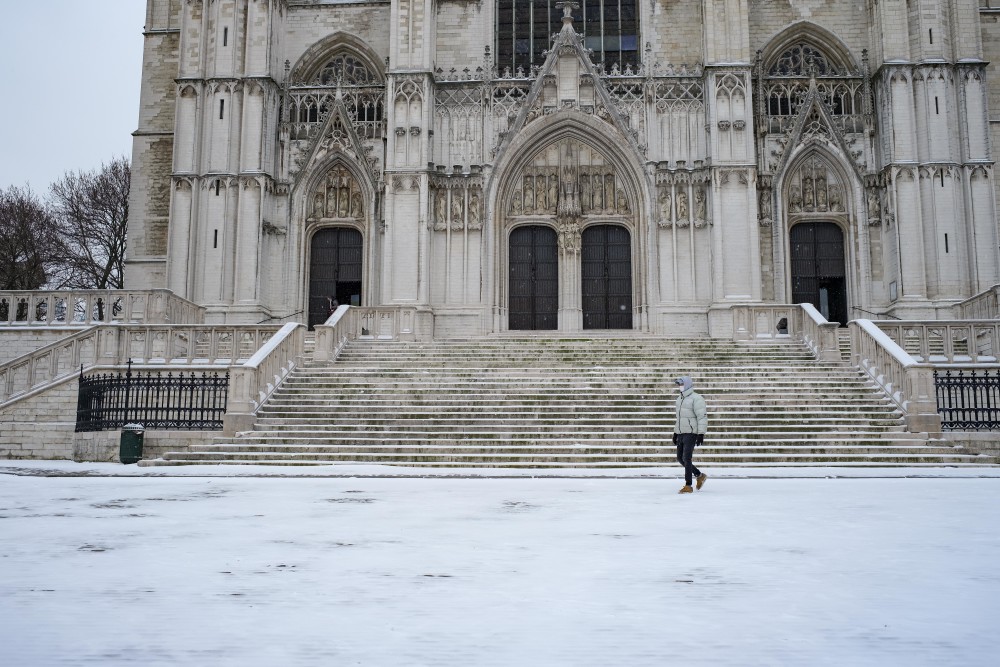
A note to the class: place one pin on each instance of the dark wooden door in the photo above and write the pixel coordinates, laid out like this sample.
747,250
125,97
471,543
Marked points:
534,279
607,277
818,268
334,271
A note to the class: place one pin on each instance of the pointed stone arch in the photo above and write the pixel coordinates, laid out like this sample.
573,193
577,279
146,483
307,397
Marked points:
819,185
812,36
549,176
311,63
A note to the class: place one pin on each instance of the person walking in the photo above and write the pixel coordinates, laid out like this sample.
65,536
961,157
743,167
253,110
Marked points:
689,430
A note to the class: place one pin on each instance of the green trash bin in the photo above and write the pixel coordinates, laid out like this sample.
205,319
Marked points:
130,450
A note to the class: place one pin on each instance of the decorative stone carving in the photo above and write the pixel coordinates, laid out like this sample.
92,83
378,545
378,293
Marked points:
700,208
441,211
666,217
337,196
475,212
815,188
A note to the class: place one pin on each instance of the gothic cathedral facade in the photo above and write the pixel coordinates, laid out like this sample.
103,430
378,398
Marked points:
523,165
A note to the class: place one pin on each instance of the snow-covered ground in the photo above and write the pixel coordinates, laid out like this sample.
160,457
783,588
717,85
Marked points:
148,569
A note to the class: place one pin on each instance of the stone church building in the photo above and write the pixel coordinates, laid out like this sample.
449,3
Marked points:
530,165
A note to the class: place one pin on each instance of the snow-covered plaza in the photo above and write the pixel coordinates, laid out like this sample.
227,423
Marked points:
172,568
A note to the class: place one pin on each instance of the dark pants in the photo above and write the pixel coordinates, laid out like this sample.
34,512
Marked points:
685,452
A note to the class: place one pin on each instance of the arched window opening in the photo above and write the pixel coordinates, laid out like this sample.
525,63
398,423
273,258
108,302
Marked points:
524,32
803,59
312,94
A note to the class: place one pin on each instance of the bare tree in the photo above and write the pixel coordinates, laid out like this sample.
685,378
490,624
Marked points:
91,208
30,244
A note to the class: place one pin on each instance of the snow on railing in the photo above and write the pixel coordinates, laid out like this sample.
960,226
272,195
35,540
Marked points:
947,342
348,323
982,306
799,321
77,308
252,382
909,383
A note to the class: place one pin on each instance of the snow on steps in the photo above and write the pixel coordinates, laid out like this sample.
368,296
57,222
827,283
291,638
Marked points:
588,401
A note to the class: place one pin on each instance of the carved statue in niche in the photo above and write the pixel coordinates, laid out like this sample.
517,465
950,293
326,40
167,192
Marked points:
586,203
665,211
344,201
622,202
598,204
457,211
541,194
475,214
700,212
331,201
794,200
515,203
318,207
682,207
808,199
529,195
357,210
765,205
873,205
609,193
440,211
553,191
820,193
569,236
836,199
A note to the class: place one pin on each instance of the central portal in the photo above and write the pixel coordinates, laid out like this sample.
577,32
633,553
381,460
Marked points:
334,271
534,279
607,277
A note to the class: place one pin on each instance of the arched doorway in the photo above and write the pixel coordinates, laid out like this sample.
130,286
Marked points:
533,296
818,268
334,271
606,258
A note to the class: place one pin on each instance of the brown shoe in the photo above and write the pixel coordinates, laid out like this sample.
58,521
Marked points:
686,489
700,479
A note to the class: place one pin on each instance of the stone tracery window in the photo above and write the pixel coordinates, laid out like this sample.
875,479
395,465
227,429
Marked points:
361,86
348,70
797,60
524,31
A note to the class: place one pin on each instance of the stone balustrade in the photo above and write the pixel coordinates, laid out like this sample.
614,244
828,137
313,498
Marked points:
382,323
946,341
983,306
76,308
909,383
110,345
251,382
799,321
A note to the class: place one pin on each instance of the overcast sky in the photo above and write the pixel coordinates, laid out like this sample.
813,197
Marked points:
70,71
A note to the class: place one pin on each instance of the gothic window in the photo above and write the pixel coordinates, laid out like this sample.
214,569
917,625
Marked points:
360,84
798,60
524,31
348,70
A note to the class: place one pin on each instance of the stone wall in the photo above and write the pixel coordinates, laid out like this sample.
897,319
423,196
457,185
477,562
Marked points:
41,426
991,53
15,342
104,446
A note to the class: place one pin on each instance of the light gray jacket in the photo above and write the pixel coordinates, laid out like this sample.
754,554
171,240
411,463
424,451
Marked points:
692,413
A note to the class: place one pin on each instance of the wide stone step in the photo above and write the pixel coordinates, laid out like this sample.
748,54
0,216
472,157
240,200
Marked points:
704,451
517,460
363,419
593,401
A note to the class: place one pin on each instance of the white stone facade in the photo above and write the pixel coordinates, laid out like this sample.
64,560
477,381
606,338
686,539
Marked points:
265,122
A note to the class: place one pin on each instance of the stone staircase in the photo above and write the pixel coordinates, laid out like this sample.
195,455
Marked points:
591,401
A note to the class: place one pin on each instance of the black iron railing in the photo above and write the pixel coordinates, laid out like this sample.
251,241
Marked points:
968,399
157,400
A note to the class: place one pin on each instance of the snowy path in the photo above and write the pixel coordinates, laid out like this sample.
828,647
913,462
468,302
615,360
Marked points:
483,572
